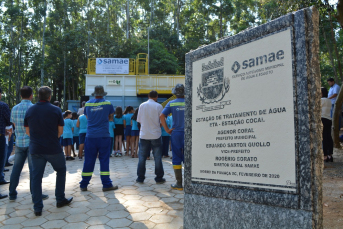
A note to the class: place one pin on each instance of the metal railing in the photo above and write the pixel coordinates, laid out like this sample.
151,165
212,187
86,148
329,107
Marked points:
163,84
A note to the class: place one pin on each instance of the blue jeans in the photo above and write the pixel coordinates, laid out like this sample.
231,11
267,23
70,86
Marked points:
58,163
3,156
10,147
144,151
21,153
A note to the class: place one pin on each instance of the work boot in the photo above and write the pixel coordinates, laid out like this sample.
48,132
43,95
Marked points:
178,176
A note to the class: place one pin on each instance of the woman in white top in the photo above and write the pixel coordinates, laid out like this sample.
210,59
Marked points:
326,120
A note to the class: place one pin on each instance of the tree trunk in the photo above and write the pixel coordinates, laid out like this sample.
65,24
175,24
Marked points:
330,54
336,50
127,20
221,19
43,46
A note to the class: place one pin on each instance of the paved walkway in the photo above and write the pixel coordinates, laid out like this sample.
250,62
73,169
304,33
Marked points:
133,205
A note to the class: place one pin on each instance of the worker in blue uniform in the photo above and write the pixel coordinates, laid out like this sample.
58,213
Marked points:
177,108
98,140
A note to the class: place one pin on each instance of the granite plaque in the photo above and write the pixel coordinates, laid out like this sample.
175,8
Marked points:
244,101
253,155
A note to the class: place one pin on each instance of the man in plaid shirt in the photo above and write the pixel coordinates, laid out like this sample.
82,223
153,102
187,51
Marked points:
4,121
22,141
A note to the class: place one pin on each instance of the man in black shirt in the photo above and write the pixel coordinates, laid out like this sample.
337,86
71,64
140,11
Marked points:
44,124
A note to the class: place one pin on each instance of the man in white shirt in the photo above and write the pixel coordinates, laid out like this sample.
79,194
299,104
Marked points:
333,92
150,137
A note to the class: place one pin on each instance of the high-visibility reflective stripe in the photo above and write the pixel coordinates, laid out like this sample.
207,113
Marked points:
97,104
87,174
177,166
104,173
177,104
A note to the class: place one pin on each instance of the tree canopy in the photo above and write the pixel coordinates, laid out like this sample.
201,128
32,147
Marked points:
44,41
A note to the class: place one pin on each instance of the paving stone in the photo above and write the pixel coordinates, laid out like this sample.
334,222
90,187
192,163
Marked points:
20,213
133,209
14,220
99,227
157,211
150,198
142,225
176,213
132,197
97,212
169,200
97,220
5,211
161,219
117,214
77,218
75,225
142,216
130,192
133,202
131,206
17,226
115,223
78,210
57,215
152,204
54,224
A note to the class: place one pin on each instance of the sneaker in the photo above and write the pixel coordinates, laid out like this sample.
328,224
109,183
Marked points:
116,154
120,154
80,158
71,158
162,181
67,158
110,188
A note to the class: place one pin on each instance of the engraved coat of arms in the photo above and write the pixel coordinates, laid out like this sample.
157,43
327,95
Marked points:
213,86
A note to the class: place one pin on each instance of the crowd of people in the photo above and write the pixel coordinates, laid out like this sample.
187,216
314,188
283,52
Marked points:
44,134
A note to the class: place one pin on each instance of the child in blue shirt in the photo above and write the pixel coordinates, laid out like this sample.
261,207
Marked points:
119,131
127,125
134,134
74,118
166,138
82,123
68,134
112,126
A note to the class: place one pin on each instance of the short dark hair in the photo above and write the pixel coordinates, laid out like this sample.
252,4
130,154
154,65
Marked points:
153,94
56,103
324,92
66,113
44,93
74,116
26,92
331,80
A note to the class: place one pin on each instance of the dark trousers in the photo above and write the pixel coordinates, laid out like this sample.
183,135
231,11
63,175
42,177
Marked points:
3,156
165,145
58,163
327,139
77,141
